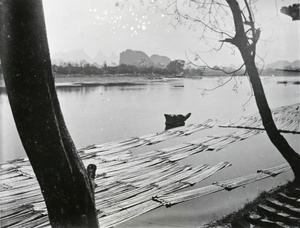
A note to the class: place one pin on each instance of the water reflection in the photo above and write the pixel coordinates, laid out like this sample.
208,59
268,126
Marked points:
125,88
76,89
121,84
106,112
91,87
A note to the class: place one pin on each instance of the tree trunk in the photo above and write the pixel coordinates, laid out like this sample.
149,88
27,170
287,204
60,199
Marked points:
248,54
276,138
26,65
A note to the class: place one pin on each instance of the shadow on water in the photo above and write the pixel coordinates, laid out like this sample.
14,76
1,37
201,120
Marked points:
110,84
124,88
87,87
90,87
76,89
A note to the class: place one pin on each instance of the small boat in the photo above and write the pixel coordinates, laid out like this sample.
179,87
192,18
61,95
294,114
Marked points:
175,120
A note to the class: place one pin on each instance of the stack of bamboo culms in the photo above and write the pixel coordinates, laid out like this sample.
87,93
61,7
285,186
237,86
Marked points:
133,194
119,150
287,119
126,185
119,201
22,204
182,196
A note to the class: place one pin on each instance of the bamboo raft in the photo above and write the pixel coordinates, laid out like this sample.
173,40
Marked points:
287,120
129,185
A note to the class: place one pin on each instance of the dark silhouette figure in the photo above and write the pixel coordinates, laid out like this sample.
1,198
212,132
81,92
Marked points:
175,120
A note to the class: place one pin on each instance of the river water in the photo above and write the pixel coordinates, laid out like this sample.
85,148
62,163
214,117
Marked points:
100,114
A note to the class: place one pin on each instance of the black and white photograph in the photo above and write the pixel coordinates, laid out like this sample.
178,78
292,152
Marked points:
149,113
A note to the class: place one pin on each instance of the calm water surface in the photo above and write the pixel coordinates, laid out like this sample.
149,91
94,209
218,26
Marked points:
100,114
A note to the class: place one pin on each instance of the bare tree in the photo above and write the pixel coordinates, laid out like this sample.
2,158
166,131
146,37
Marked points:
25,59
245,40
231,22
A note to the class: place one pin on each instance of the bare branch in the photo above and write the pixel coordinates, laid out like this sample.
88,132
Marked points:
227,40
212,89
207,66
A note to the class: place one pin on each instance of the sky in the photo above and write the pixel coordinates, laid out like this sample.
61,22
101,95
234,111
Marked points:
103,25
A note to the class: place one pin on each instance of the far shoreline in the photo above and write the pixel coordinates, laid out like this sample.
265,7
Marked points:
134,79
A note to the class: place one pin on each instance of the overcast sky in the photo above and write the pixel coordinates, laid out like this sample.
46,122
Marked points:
100,25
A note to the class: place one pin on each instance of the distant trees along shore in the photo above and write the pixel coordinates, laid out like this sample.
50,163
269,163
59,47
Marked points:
176,67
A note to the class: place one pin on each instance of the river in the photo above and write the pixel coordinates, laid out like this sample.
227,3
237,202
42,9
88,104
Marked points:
99,114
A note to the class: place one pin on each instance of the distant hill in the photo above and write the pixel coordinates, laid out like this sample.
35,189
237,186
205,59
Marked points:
283,64
296,64
135,58
70,56
100,58
139,58
113,60
76,56
160,61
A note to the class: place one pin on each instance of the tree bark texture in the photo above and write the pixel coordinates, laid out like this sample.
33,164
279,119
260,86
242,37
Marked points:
26,66
246,50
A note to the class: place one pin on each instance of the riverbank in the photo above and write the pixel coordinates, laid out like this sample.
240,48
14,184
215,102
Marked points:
122,79
279,207
106,80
